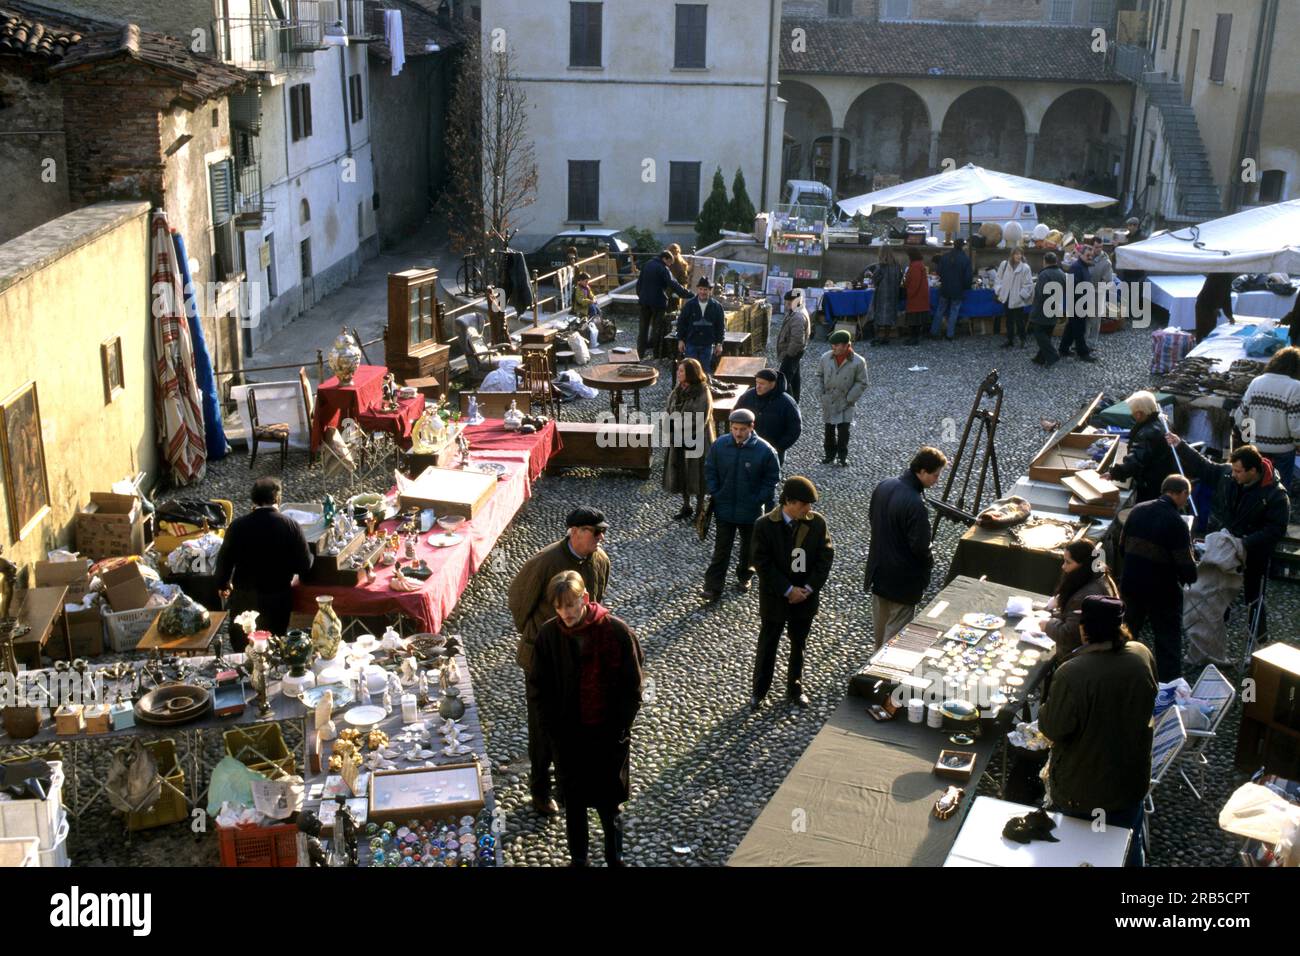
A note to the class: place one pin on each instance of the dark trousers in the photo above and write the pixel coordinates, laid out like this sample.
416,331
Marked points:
540,755
1254,586
716,575
1128,817
1164,609
1016,325
836,441
273,609
1043,336
790,369
651,332
575,828
1075,332
796,620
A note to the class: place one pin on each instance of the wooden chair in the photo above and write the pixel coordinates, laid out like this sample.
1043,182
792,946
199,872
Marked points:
534,377
494,404
276,433
308,397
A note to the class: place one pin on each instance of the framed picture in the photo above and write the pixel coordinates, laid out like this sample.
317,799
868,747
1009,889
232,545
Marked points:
449,790
729,272
777,287
27,490
701,267
110,358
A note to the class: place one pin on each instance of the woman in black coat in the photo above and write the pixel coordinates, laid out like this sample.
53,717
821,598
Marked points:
586,683
1150,460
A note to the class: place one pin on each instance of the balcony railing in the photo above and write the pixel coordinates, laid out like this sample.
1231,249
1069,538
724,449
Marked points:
250,204
1132,62
273,45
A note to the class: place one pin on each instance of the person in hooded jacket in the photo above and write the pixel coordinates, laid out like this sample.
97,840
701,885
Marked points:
1249,504
586,683
776,415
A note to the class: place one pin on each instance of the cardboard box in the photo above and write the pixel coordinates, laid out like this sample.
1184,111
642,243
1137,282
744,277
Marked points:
125,587
85,631
75,575
449,492
109,526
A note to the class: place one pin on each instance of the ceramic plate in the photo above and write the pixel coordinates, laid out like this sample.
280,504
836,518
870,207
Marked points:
441,540
488,468
364,716
342,695
985,622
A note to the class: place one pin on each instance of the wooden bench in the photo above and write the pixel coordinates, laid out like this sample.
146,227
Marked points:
624,446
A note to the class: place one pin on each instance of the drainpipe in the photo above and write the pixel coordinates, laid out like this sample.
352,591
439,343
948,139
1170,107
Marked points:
767,104
1255,99
343,85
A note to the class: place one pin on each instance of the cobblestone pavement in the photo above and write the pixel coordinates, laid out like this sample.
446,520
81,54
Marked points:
703,765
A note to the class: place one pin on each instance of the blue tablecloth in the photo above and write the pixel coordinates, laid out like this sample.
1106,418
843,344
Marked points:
849,303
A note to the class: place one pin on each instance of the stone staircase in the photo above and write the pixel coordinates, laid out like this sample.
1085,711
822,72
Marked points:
1199,198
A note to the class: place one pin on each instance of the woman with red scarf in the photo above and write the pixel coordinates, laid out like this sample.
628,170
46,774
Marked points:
586,684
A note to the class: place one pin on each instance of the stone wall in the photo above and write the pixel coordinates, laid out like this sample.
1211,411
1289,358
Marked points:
33,162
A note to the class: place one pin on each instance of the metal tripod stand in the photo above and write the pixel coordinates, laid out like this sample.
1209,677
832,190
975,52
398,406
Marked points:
981,446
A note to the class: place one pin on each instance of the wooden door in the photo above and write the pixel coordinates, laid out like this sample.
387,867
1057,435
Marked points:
1190,79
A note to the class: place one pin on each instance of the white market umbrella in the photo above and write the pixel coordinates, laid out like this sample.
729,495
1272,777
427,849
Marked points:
1265,239
969,186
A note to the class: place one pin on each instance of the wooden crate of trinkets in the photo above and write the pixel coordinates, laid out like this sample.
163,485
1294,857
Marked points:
450,790
347,568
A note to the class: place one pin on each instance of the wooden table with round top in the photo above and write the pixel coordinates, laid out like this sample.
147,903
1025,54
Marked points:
607,377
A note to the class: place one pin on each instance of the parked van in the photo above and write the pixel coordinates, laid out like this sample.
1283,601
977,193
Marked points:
805,192
997,211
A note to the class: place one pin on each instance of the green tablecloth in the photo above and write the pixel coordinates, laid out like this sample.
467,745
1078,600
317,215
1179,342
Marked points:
1120,416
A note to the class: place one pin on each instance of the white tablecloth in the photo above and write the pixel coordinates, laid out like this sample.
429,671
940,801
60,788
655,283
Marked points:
981,842
1177,294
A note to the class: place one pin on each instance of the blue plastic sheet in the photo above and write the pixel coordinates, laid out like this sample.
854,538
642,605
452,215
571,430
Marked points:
214,432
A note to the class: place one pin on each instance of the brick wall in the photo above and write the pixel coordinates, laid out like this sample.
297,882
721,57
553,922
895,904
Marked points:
33,167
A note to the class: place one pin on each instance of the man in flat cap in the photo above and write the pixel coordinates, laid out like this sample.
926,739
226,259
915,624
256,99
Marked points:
741,473
841,379
579,551
793,554
702,327
776,414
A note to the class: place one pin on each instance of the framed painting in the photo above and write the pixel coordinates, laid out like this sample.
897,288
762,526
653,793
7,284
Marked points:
777,287
27,489
731,273
110,357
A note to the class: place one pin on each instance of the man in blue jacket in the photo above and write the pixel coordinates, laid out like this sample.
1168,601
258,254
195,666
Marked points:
652,287
741,473
702,327
776,415
955,277
1076,325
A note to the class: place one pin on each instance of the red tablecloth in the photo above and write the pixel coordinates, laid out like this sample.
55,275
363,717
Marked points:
398,422
451,567
335,402
492,436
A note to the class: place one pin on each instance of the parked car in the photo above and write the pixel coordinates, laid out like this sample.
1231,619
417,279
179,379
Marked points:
552,253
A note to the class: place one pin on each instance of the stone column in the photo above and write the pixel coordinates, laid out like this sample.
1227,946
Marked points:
835,162
934,150
1031,140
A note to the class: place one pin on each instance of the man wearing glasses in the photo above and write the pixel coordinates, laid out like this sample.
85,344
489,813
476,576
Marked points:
579,551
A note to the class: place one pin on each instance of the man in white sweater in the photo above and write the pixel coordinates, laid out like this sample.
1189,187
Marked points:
1269,413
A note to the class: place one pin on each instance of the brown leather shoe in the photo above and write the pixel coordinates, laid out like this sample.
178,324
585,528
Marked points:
547,807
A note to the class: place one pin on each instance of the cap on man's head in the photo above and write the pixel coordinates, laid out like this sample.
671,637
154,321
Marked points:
799,488
841,337
766,374
742,416
792,295
582,517
1102,616
704,283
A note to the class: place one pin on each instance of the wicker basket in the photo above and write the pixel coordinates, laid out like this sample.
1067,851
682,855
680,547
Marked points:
172,807
126,629
259,846
261,747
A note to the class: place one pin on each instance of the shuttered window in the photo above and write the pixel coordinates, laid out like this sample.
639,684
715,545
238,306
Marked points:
692,35
221,179
584,34
354,95
584,190
300,111
1222,33
683,192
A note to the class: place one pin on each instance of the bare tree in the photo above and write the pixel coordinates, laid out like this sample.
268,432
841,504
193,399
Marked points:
493,159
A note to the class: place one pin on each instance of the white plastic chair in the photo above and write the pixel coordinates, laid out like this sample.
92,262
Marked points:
1210,686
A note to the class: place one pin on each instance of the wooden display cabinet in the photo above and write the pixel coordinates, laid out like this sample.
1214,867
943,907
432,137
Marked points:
413,338
1269,735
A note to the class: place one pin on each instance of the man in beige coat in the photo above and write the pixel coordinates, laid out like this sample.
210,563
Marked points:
791,341
842,377
580,551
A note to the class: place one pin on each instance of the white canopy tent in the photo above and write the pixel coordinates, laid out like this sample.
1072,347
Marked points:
969,186
1266,239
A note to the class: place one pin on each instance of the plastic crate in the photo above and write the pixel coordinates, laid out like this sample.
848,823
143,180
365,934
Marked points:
57,855
36,818
259,846
172,807
261,747
126,629
19,852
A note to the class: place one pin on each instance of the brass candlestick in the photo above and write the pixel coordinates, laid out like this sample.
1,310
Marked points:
259,682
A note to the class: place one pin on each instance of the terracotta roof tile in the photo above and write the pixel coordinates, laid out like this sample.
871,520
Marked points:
966,50
25,36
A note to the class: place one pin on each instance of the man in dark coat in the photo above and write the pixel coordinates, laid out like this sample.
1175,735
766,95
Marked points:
652,287
1215,297
1076,325
741,473
1158,561
1049,287
1097,714
261,553
1149,461
793,554
579,551
1249,504
955,277
776,414
586,684
899,556
702,327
